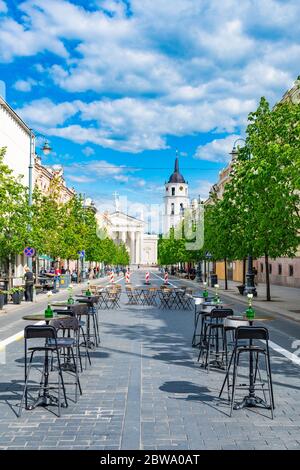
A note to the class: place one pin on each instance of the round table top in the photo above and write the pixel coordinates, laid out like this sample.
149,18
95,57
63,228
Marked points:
61,304
244,318
41,317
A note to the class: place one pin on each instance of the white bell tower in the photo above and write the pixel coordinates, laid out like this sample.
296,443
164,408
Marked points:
176,199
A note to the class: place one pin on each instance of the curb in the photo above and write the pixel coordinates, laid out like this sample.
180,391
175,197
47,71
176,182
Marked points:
243,300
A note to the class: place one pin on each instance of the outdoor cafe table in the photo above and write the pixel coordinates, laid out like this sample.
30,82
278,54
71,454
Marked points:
46,398
41,317
250,400
140,293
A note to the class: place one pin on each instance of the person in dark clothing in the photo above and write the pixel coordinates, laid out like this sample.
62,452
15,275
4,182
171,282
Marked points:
29,281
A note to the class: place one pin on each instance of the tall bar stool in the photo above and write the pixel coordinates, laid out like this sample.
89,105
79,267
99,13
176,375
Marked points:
212,334
91,314
252,334
199,314
79,311
48,333
70,343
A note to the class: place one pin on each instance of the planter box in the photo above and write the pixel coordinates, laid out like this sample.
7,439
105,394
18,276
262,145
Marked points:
16,298
2,301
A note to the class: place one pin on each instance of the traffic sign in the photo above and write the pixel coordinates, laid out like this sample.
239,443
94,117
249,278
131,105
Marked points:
29,251
81,253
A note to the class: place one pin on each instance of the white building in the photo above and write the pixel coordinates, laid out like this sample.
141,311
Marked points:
176,199
15,136
121,227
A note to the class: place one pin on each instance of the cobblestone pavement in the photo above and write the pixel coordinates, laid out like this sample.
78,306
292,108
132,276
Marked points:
145,390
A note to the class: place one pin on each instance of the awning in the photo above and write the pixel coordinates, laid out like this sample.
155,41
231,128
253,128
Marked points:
46,257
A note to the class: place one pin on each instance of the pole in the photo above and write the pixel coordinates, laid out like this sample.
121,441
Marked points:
250,287
30,188
199,272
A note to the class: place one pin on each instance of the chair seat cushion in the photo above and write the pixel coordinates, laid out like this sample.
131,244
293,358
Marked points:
63,342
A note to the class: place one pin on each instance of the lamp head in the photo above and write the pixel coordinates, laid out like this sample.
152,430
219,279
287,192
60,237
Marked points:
46,148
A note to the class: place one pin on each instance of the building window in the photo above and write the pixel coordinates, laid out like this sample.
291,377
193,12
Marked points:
172,209
270,268
173,191
280,269
261,267
181,208
291,270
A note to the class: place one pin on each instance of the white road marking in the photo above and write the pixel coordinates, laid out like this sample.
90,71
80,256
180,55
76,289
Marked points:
18,336
292,357
163,279
15,337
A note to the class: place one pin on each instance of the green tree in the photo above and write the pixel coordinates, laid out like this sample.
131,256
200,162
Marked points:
14,214
261,201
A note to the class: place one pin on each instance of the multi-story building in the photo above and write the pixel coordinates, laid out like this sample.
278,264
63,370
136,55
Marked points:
282,271
17,137
176,199
44,175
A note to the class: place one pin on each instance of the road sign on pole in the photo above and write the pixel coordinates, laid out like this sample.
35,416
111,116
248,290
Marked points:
29,251
81,253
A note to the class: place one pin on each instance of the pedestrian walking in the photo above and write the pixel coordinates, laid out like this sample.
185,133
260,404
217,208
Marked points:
29,282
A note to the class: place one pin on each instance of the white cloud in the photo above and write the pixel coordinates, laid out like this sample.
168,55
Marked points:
88,151
81,179
134,125
3,7
24,85
42,113
216,150
202,189
173,68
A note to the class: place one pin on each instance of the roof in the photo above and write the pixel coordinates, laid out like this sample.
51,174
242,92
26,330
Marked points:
176,177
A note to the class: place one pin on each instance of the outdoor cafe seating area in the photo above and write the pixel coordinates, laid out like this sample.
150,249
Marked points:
225,341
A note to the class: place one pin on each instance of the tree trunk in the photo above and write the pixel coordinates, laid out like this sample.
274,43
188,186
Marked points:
268,291
10,279
244,271
226,278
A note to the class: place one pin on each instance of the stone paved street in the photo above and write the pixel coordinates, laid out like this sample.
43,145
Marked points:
145,390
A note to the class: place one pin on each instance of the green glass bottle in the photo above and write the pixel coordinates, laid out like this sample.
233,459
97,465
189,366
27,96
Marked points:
88,293
48,312
250,313
205,294
70,301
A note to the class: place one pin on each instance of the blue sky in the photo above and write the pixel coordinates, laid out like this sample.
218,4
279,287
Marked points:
119,85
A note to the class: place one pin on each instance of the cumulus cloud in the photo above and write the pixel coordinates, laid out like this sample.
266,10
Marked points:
150,69
88,151
3,7
217,150
133,125
202,189
25,85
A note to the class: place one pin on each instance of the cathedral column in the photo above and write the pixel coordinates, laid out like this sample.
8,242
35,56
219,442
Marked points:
123,237
132,247
138,248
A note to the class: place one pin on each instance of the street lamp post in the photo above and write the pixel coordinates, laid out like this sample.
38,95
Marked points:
250,286
46,150
199,272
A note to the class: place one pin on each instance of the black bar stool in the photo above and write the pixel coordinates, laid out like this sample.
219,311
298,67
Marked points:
254,350
198,312
212,333
48,333
70,343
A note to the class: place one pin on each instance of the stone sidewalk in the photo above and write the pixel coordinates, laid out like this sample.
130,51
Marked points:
285,301
145,390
